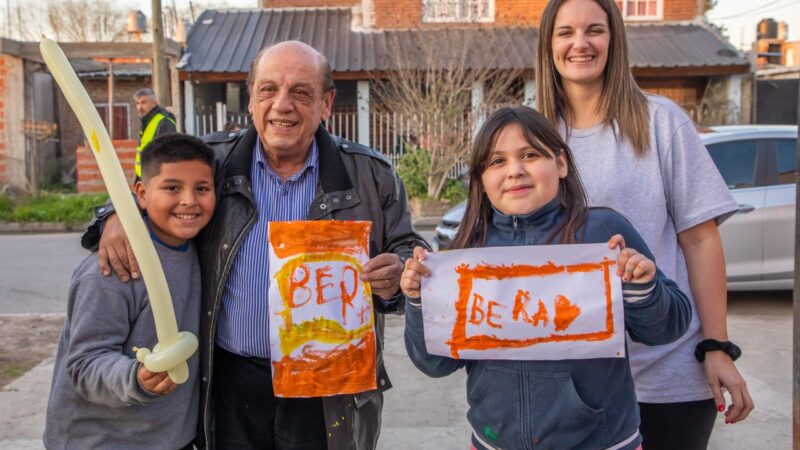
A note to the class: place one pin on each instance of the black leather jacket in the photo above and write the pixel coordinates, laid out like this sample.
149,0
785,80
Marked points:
355,183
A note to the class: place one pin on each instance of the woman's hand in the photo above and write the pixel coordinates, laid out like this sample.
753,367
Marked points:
411,280
722,374
632,266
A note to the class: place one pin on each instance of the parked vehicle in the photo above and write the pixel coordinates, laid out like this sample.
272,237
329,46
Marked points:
758,162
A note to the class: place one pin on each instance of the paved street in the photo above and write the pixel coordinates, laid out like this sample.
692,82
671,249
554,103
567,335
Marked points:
420,412
35,270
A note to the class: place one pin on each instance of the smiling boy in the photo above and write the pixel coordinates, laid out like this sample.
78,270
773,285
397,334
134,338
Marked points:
101,396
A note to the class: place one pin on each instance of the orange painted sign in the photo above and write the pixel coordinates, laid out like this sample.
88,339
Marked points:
322,329
543,302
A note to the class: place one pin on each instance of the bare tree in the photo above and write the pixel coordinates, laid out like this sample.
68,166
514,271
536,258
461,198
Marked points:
716,108
89,20
432,84
86,20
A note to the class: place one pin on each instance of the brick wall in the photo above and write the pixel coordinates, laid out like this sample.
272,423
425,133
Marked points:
3,131
506,13
12,112
406,14
387,13
680,9
307,3
89,178
519,12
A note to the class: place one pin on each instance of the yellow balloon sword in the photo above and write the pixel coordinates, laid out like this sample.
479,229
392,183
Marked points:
174,348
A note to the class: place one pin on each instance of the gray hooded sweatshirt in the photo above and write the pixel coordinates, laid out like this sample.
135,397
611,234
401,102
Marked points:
96,400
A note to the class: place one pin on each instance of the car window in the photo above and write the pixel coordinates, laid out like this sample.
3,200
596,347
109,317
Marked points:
787,161
736,162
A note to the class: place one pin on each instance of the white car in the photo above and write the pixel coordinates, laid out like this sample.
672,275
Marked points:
758,162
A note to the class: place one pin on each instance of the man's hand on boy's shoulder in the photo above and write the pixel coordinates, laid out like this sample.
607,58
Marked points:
157,383
115,251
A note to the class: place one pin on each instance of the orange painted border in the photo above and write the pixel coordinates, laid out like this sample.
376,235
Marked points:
459,339
319,236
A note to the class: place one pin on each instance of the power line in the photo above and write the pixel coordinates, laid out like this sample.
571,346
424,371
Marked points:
759,10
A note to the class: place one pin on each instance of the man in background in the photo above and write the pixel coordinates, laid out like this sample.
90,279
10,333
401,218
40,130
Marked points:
156,121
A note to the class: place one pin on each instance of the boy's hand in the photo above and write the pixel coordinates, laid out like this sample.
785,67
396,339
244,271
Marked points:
115,251
155,382
411,279
632,266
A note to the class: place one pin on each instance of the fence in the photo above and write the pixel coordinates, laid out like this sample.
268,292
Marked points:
390,132
213,120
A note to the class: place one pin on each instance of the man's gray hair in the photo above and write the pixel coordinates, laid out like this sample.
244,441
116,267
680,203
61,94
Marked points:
144,92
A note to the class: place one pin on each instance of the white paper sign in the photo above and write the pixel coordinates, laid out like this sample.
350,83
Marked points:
547,302
322,327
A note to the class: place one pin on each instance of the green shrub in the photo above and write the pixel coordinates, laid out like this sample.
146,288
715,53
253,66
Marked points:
454,191
51,207
413,169
6,205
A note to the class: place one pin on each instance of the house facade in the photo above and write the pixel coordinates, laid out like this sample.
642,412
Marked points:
39,133
672,51
417,14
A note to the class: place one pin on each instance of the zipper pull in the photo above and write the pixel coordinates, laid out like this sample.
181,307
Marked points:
514,218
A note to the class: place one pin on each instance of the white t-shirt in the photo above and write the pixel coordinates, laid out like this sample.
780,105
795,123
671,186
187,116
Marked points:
672,187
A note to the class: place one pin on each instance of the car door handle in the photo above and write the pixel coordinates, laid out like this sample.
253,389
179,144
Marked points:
746,208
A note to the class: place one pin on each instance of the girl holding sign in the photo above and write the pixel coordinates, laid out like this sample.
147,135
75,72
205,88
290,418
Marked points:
675,200
524,190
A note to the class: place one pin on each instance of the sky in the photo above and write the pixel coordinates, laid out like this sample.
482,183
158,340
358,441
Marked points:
741,17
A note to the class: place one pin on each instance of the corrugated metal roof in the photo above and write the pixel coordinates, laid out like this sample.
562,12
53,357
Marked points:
228,40
679,45
86,68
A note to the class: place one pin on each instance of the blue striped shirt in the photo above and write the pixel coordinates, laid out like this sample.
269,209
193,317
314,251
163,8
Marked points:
244,316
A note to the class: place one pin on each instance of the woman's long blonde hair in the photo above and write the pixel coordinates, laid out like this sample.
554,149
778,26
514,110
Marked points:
621,102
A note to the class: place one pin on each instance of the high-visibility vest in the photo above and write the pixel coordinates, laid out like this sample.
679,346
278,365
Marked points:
147,136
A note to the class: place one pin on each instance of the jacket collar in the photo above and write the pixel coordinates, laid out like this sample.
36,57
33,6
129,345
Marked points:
149,116
333,176
544,216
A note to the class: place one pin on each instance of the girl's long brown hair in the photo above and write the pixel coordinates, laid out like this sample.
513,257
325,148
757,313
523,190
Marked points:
542,136
621,102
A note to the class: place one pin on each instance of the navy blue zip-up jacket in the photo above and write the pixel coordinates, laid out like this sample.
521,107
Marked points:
576,404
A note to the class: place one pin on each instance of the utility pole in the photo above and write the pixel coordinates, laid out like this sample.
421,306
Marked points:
160,76
796,298
111,98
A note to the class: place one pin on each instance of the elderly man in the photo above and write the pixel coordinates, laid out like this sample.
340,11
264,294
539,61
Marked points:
156,121
285,167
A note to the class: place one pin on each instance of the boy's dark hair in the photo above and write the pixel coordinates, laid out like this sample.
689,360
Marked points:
172,148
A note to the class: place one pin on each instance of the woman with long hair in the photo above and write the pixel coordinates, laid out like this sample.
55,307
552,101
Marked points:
640,155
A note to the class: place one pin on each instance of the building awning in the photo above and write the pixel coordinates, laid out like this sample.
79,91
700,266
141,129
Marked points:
226,41
89,69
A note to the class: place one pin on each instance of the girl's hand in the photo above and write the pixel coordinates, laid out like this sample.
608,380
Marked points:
411,279
632,266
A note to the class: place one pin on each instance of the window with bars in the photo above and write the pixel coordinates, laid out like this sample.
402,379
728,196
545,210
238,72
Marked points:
457,10
640,9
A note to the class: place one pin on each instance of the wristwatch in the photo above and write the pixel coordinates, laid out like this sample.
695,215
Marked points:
710,345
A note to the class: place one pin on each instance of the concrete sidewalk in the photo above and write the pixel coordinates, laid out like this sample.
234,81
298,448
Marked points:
425,413
419,412
23,407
